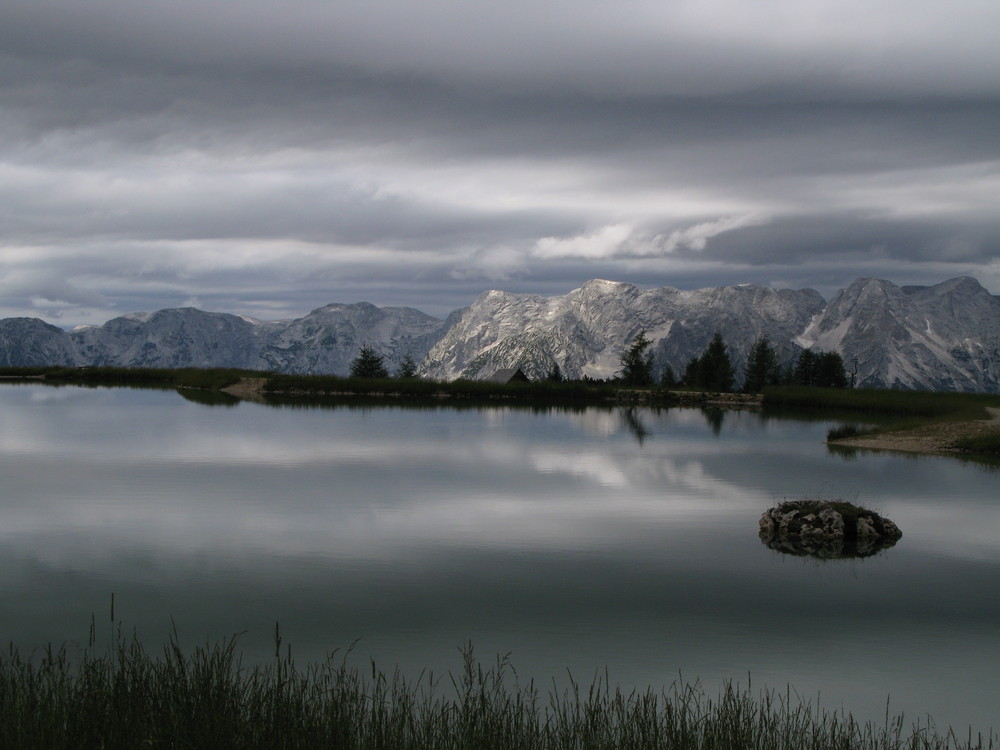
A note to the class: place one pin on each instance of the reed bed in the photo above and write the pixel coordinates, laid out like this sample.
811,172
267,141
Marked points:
126,697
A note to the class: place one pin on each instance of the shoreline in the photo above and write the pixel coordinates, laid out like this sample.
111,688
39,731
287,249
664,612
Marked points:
255,389
931,437
938,438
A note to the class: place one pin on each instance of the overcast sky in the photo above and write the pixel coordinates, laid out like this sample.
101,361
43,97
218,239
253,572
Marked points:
267,157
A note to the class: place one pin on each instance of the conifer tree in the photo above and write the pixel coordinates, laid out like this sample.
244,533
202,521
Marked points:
762,367
715,370
368,364
669,378
821,369
637,366
830,371
407,368
692,373
805,368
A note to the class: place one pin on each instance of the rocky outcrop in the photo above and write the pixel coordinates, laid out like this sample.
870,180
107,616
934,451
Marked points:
826,529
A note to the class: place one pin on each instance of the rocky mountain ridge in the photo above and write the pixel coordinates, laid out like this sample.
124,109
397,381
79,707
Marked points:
940,337
585,331
324,341
944,337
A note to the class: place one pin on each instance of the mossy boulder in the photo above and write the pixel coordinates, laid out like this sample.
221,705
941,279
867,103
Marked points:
826,529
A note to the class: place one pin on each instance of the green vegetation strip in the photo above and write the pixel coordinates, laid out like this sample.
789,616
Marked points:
207,698
320,385
323,385
922,405
904,410
143,377
985,445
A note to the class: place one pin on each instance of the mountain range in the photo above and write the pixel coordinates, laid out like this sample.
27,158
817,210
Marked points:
941,337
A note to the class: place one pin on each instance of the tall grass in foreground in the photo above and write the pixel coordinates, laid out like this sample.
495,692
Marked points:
128,698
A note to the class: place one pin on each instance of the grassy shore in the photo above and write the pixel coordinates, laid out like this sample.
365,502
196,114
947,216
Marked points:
206,698
920,406
331,385
983,445
899,413
214,378
917,405
320,387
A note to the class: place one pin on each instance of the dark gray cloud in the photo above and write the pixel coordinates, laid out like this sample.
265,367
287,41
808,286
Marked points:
267,158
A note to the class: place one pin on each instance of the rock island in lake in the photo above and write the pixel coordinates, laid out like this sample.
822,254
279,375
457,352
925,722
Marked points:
827,529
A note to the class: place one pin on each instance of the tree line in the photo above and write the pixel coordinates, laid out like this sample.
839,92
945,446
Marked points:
370,364
713,369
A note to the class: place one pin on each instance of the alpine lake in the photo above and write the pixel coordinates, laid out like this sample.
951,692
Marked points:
585,543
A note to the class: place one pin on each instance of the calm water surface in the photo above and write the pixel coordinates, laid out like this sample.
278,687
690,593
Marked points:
576,541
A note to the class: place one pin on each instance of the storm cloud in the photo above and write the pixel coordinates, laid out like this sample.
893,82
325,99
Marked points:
266,158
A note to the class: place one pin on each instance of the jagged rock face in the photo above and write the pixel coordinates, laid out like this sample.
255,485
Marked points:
585,331
30,342
943,337
532,332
